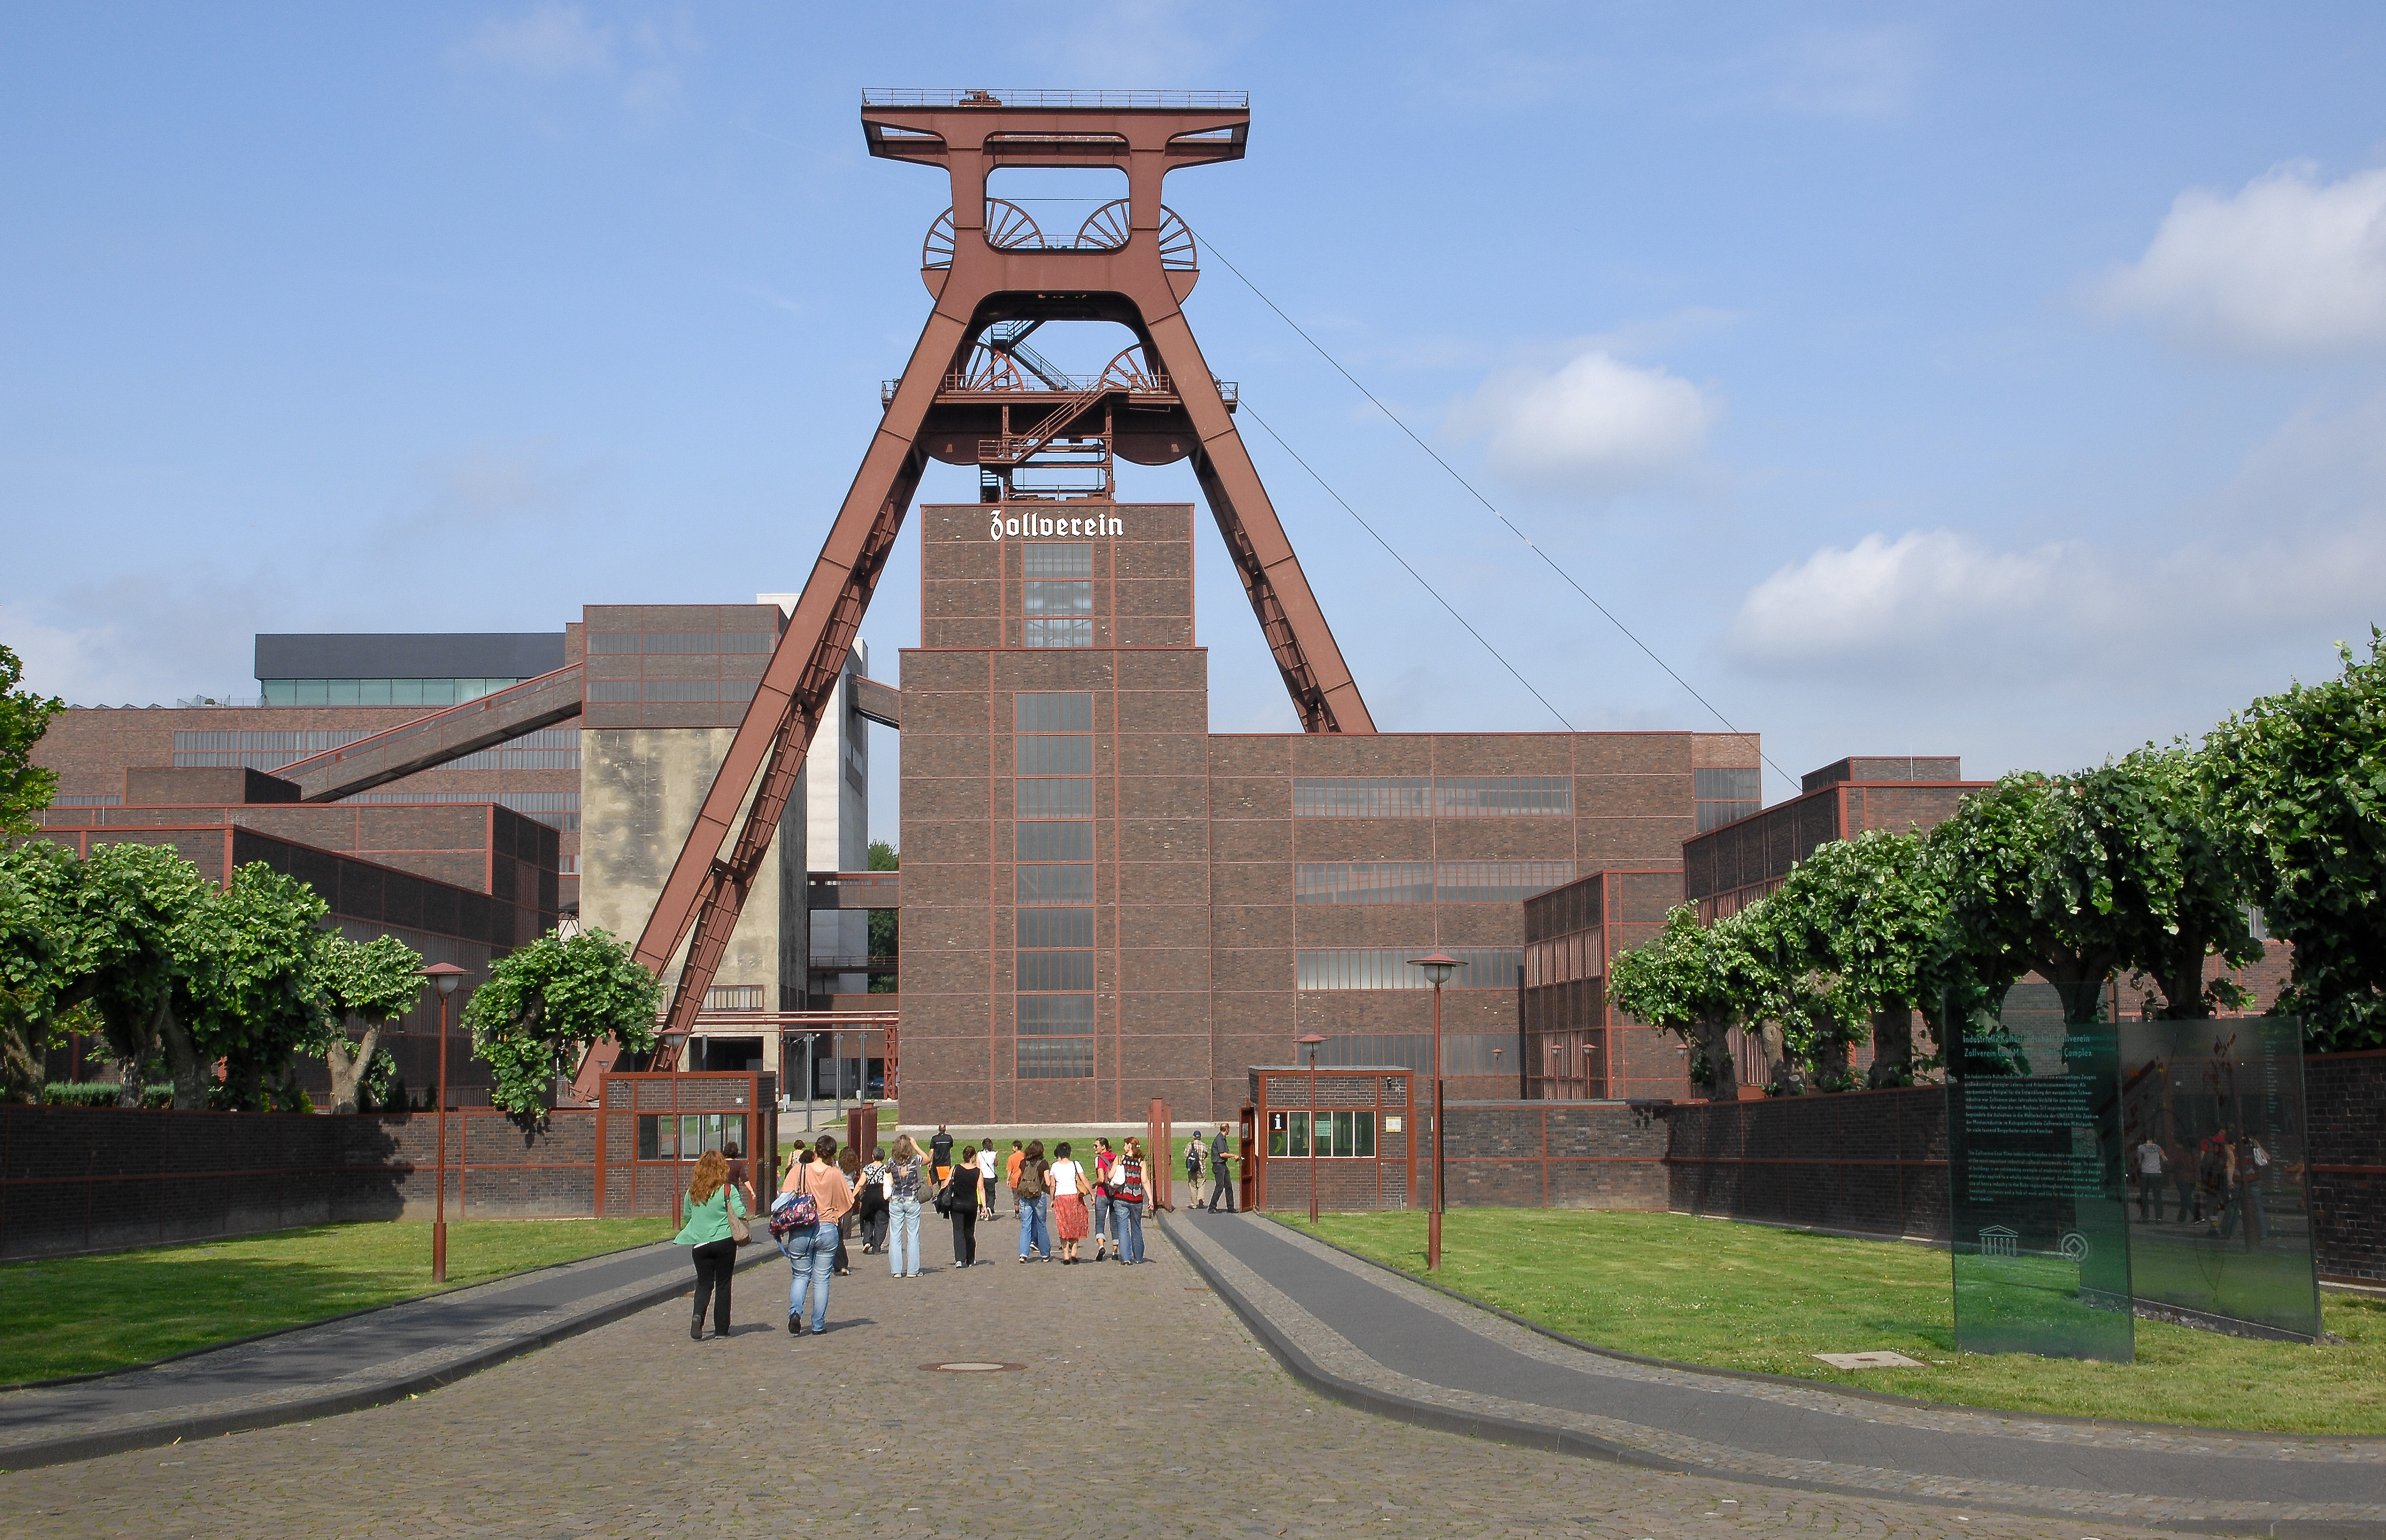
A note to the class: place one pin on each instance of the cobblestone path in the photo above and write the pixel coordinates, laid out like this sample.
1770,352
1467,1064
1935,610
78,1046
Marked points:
1144,1408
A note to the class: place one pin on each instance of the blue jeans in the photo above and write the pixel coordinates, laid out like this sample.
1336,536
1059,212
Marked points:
1103,1224
1127,1228
903,1235
1035,1225
812,1254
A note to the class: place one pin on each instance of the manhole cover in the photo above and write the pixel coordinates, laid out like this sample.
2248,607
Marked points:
1879,1358
971,1368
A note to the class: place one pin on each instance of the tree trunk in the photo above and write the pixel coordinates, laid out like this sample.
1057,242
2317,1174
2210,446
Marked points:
1780,1074
190,1070
1892,1048
1831,1058
129,1089
349,1063
1714,1040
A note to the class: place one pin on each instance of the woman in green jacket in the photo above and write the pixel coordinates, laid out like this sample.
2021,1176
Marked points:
710,1201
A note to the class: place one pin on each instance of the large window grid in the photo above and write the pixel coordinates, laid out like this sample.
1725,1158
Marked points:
1053,871
1426,882
1389,967
1727,795
1432,796
377,692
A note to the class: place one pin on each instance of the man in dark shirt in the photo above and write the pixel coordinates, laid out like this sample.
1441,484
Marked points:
1222,1177
940,1148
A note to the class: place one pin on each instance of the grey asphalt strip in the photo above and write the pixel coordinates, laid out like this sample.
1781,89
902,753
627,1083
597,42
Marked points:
268,1381
1418,1343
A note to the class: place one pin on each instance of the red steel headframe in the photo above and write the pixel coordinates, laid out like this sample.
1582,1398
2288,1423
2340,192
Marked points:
970,134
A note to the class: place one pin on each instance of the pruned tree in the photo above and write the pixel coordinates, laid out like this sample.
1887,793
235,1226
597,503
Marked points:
246,989
1694,981
2178,893
369,982
546,1003
2298,782
25,787
1866,919
124,913
36,878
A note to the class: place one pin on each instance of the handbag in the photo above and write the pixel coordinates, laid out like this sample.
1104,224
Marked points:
794,1211
739,1230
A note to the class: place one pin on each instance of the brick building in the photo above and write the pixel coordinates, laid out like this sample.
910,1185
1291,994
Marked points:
1104,902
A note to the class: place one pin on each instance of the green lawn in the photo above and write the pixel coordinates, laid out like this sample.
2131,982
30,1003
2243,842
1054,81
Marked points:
1749,1296
78,1315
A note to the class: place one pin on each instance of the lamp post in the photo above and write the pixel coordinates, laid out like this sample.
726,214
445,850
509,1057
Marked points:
444,977
1310,1042
1438,967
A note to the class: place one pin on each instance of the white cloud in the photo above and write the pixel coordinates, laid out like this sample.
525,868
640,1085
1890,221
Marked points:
142,639
1597,424
1881,595
2289,267
549,40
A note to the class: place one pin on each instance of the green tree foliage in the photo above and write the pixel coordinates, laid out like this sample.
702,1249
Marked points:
1698,982
25,788
1864,921
369,982
545,1004
35,878
123,917
2299,779
886,938
246,990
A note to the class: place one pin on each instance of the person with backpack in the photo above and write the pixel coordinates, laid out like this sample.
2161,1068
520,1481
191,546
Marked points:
804,1221
1105,1231
1193,1169
1126,1198
715,1213
869,1205
1027,1190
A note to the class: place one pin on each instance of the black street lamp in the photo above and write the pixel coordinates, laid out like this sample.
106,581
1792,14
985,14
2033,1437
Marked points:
1438,967
1310,1042
444,977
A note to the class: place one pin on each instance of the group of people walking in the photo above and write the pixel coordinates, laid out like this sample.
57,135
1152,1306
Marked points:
2219,1183
1061,1199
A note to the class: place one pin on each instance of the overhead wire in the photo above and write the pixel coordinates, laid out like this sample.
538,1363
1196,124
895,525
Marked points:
1246,409
1489,505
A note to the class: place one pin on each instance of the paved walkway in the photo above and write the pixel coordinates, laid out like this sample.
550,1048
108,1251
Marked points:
1141,1406
1369,1336
362,1360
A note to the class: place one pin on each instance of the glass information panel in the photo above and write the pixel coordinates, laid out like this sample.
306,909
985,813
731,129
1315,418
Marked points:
2219,1214
2041,1232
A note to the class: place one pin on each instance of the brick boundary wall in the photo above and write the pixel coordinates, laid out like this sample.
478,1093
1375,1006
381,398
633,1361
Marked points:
2344,1106
75,1179
1876,1161
1553,1155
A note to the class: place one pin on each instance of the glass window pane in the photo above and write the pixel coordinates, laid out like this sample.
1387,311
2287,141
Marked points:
373,691
1073,798
1061,559
1276,1140
1052,711
1056,927
1363,1129
649,1138
1069,756
1058,598
1050,971
1055,884
1298,1134
1055,842
1345,1138
406,691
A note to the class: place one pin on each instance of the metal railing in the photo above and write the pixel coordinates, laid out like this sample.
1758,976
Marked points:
958,383
1038,96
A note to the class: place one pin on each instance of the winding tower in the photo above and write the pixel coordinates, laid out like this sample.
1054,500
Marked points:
976,393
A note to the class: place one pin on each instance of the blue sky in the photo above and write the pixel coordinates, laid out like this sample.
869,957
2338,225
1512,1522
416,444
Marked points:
2008,382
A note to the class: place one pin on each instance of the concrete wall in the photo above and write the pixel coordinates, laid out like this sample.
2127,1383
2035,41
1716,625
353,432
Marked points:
641,788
